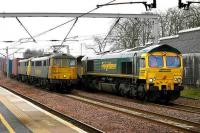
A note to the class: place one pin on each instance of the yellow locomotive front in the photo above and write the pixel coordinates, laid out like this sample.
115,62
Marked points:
62,70
163,72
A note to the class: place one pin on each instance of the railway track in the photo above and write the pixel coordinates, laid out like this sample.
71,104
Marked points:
173,106
80,124
187,108
179,124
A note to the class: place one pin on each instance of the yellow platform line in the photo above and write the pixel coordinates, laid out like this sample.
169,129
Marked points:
6,124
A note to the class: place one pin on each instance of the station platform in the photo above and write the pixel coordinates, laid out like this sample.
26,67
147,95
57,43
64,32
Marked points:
18,115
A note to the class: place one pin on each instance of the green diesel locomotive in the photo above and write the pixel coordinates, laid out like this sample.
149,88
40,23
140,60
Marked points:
153,72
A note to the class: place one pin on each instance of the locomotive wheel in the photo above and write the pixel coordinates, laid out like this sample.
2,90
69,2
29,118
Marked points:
133,92
164,98
94,84
85,83
124,89
51,87
141,95
152,96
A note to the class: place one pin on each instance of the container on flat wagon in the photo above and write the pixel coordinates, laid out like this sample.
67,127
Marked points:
4,65
9,67
1,64
15,66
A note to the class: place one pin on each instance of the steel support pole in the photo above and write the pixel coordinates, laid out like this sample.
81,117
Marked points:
156,31
7,60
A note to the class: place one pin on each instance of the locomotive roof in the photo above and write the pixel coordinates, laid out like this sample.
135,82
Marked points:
134,52
57,55
41,58
163,48
25,60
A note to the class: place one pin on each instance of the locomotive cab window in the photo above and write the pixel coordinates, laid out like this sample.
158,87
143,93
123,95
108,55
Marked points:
56,62
155,61
72,62
173,61
61,62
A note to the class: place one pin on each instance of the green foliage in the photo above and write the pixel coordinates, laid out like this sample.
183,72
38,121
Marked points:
191,92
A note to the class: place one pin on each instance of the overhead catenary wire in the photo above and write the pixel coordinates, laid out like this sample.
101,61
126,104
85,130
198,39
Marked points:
68,32
15,51
44,32
116,22
74,19
25,29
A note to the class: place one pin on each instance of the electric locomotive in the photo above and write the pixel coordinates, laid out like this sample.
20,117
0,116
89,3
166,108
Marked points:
56,71
154,72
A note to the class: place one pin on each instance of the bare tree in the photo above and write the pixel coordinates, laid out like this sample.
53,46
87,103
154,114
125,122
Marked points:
175,20
98,46
129,33
132,32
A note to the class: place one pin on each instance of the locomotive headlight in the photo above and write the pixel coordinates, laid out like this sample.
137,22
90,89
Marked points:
64,76
178,79
150,80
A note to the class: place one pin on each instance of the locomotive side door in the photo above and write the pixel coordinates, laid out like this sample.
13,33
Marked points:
142,67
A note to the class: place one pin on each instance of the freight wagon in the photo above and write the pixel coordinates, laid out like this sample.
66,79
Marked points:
15,67
7,66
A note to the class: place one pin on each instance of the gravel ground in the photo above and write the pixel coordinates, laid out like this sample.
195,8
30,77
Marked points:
104,119
188,101
144,106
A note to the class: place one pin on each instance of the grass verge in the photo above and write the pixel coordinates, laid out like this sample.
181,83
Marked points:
191,92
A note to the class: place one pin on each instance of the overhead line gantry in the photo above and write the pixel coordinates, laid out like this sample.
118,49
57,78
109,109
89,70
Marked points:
75,15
